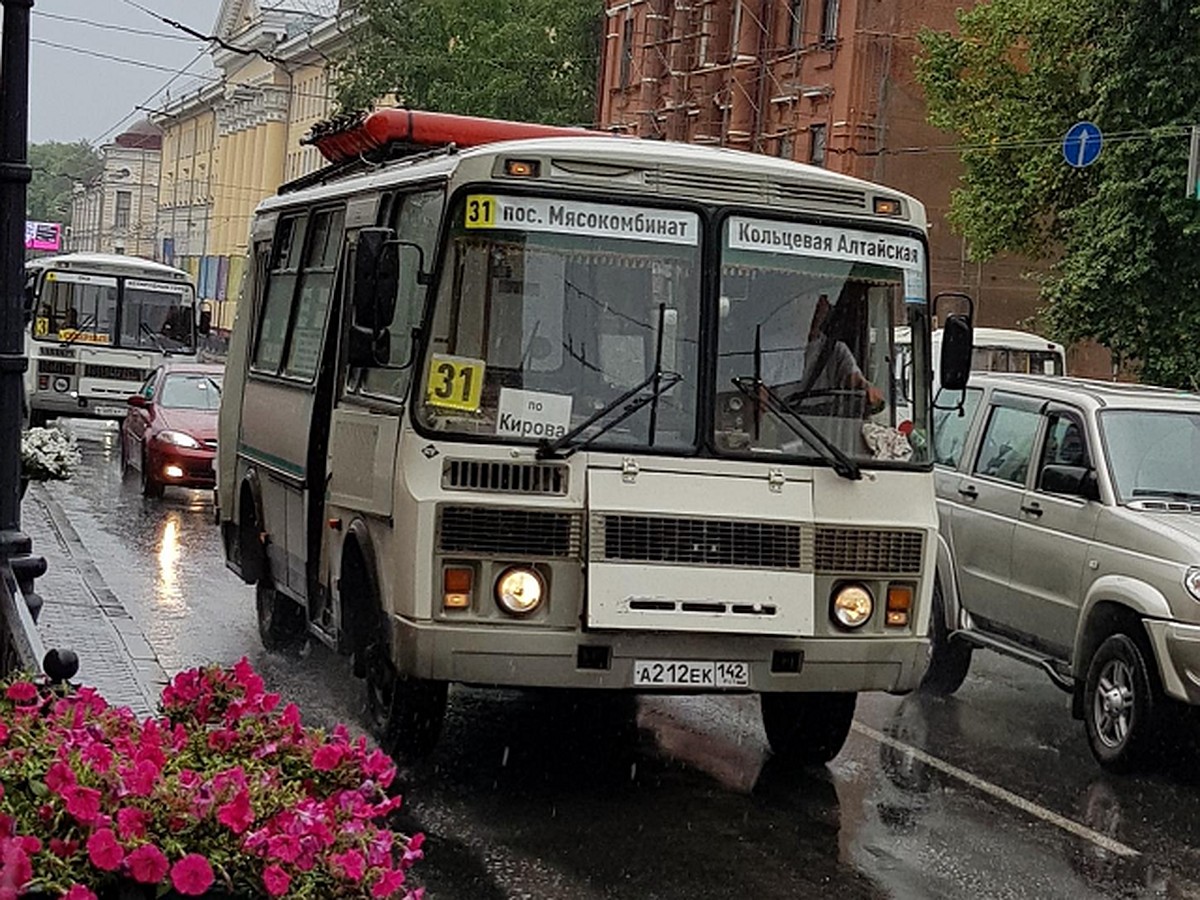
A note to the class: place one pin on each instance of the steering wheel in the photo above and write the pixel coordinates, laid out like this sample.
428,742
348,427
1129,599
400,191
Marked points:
848,403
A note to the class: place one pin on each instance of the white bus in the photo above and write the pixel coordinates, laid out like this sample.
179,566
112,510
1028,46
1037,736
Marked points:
99,324
584,412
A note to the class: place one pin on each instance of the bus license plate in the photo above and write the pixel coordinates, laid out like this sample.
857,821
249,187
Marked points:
690,673
110,411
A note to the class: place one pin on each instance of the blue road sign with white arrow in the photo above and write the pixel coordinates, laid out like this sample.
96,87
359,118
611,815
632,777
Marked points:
1081,146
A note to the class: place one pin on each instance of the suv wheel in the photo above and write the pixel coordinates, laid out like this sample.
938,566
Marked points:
1121,705
807,729
949,659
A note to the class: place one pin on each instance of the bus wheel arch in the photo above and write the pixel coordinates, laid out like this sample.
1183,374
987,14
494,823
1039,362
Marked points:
251,546
404,713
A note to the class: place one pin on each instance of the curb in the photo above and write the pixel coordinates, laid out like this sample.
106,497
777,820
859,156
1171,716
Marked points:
151,676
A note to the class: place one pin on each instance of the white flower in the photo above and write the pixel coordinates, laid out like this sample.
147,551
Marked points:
48,454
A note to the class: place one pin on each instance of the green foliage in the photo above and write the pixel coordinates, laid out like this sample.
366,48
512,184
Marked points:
56,167
1120,236
529,60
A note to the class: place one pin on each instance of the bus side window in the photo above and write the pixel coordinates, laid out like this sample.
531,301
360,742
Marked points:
281,286
307,330
417,221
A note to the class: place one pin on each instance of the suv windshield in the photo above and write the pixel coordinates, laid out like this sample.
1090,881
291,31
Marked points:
549,311
807,313
1153,454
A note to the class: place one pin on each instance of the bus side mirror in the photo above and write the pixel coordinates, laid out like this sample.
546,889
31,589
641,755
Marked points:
957,341
376,280
204,326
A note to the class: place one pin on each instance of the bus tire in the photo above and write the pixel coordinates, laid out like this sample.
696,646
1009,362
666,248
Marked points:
151,486
282,622
807,729
405,714
949,660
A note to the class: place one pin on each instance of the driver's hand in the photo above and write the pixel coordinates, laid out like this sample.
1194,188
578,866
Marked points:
874,398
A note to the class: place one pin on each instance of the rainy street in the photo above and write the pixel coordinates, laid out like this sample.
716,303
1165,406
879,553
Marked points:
989,793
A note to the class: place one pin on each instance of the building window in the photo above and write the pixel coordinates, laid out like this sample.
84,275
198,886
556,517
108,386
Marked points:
816,147
124,205
796,24
627,52
829,23
785,148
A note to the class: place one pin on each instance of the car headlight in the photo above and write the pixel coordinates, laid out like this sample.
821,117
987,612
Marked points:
1191,581
520,591
852,606
179,439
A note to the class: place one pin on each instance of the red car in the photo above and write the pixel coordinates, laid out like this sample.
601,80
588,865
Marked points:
169,433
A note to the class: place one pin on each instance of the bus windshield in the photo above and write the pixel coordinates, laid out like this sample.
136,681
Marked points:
806,321
78,307
158,315
1010,359
549,311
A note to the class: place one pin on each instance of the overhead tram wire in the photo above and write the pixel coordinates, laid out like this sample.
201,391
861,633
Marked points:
210,38
111,26
142,64
133,112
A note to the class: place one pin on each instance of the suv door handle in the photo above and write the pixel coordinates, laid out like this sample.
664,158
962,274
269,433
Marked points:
969,492
1033,509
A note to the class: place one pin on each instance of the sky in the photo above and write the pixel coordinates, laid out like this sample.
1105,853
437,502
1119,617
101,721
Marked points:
79,96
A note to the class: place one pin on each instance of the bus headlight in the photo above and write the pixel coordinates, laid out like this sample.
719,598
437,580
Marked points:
519,591
852,606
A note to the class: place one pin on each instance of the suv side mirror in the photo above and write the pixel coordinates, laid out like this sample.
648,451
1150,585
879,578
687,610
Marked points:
1075,481
137,401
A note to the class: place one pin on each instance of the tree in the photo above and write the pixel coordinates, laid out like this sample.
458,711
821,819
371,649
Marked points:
56,167
1119,239
530,60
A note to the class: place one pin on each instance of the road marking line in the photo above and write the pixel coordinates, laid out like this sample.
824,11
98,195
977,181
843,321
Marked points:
1027,806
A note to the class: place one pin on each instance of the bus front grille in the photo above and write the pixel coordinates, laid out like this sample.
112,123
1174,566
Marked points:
501,531
869,552
504,477
116,373
727,543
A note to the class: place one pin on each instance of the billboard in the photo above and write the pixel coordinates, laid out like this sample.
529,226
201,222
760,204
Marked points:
43,236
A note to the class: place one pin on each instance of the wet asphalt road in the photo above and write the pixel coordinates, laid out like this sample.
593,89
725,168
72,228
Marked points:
991,793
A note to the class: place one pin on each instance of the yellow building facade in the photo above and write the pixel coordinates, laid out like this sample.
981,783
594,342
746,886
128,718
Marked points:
233,141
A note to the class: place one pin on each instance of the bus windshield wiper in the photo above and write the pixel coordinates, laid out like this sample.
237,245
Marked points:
143,328
760,392
79,329
657,383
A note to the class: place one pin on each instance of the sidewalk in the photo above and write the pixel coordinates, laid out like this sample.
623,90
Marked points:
80,613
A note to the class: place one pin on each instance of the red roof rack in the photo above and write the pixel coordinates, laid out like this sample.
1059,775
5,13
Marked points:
347,138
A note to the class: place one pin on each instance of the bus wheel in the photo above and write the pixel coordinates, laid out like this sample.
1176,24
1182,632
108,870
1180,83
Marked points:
405,714
281,621
807,729
949,660
151,486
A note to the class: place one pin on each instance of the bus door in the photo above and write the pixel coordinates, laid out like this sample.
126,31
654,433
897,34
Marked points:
286,398
366,421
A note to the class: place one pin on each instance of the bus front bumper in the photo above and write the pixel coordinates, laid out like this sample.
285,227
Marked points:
81,407
518,657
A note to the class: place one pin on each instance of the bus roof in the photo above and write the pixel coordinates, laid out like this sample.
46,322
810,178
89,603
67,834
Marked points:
636,167
990,337
106,262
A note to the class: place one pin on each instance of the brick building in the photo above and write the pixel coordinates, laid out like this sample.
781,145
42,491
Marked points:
827,82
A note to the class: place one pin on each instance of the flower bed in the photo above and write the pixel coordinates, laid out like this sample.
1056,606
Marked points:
48,454
225,794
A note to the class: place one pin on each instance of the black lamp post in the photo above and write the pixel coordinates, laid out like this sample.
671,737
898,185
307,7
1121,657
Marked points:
15,546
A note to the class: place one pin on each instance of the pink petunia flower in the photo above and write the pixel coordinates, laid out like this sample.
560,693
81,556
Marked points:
83,803
237,815
132,822
79,892
147,864
390,881
328,757
351,864
276,880
192,875
104,851
22,692
59,776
